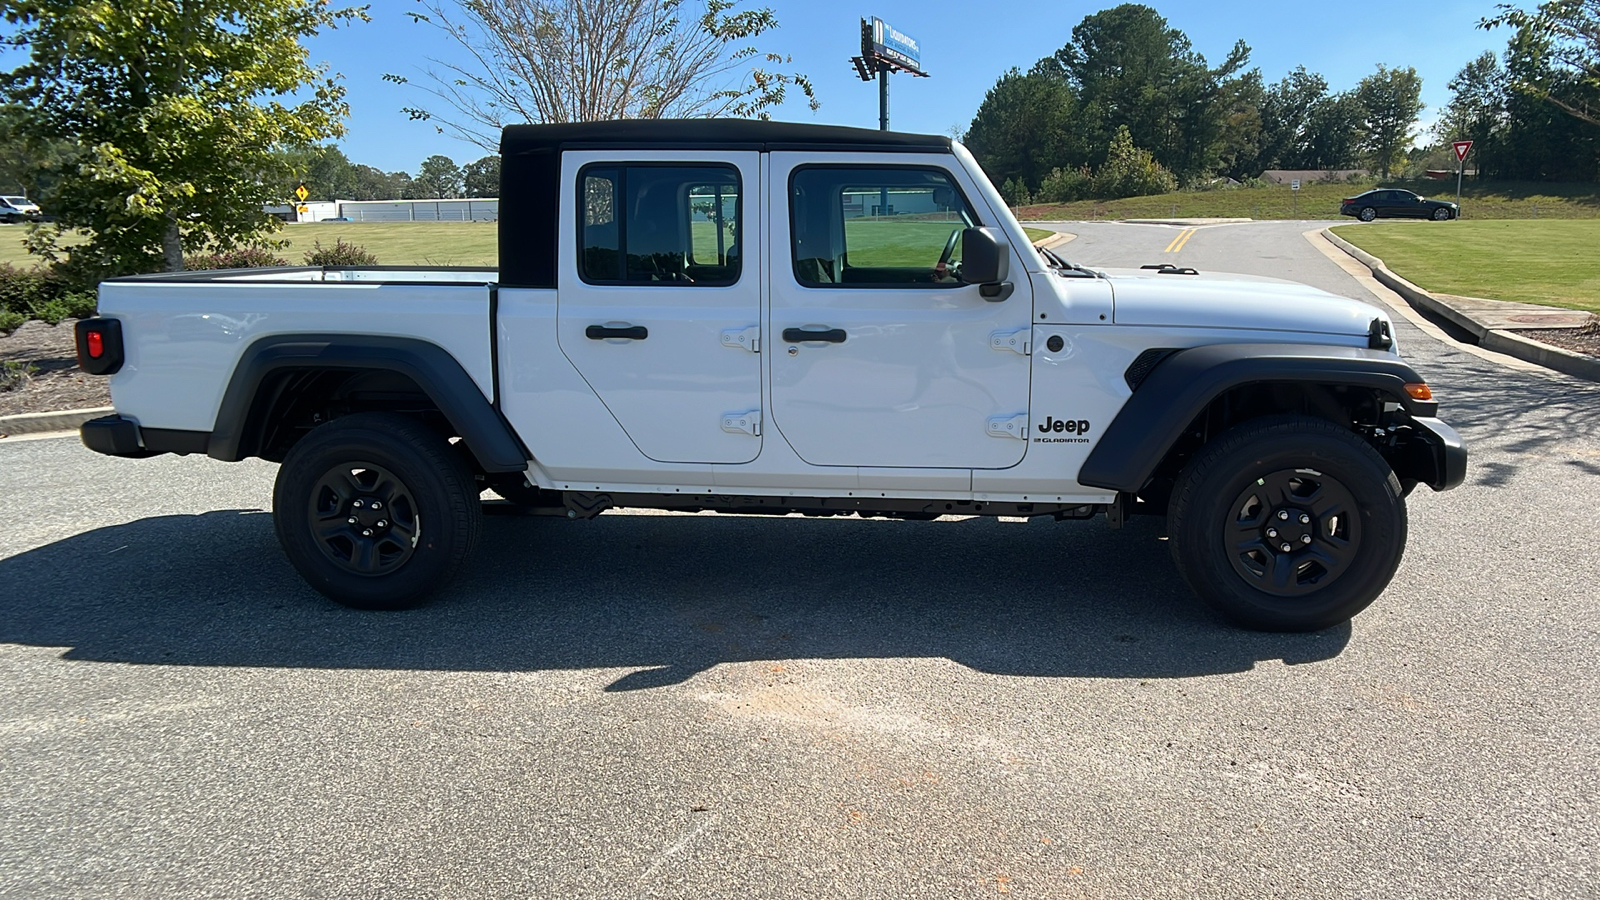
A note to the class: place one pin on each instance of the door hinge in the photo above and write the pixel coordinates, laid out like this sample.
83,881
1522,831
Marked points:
747,338
1015,426
1019,341
743,423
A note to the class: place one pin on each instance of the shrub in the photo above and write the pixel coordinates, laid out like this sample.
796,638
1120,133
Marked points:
1064,186
1130,171
21,290
340,254
39,293
1015,192
81,304
238,258
14,376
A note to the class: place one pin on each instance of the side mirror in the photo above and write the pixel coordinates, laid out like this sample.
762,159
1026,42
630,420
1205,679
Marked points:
985,256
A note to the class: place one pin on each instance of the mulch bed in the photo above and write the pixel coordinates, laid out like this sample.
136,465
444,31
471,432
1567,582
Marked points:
56,384
1584,340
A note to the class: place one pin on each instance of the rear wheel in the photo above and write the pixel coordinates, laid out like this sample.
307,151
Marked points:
375,510
1287,524
1367,214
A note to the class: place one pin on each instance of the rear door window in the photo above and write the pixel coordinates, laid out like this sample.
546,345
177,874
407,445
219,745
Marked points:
646,224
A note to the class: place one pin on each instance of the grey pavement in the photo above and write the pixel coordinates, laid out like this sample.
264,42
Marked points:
672,706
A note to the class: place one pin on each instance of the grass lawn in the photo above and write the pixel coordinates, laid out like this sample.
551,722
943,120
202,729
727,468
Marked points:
394,243
1550,262
1494,200
408,243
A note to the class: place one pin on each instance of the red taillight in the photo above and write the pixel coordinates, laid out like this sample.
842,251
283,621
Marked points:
97,344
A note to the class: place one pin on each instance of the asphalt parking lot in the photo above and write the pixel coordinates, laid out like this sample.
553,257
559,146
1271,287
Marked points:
650,705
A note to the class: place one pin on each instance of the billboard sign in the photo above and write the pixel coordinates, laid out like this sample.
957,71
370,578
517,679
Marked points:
881,40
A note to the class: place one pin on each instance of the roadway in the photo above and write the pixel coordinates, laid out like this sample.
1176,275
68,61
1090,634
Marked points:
661,706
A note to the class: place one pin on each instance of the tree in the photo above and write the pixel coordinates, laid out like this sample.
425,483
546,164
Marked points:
596,60
1569,32
175,107
1333,133
26,164
439,178
1026,126
1129,68
482,177
1392,101
325,171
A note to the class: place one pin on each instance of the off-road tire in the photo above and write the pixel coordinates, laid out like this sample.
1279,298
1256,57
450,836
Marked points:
1294,465
433,502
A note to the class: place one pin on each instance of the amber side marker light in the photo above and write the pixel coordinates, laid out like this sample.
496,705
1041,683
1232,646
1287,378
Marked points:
1419,391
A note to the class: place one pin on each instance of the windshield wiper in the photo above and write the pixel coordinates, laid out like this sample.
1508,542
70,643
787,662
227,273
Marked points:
1056,261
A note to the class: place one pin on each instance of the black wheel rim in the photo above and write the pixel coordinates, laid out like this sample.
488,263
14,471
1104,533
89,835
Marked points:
363,518
1292,532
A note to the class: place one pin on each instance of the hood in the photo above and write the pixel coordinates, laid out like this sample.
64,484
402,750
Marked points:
1242,302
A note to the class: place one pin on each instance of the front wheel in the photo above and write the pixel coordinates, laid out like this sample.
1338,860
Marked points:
1287,524
1367,214
375,510
1441,215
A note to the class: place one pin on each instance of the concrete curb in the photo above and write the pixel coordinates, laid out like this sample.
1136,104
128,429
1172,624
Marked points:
1499,341
1055,240
38,423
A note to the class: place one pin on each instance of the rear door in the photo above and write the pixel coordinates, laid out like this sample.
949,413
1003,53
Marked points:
659,303
880,356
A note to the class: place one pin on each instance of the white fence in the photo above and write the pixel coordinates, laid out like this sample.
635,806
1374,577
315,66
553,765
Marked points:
479,210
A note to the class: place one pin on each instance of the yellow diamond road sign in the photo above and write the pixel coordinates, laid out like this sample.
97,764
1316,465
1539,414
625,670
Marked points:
301,192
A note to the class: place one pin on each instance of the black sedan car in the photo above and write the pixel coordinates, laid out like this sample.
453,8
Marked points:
1391,203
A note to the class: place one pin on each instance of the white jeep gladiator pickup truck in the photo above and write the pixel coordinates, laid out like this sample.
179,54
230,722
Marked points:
760,317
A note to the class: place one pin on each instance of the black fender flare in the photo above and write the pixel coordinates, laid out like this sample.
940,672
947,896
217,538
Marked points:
486,433
1182,385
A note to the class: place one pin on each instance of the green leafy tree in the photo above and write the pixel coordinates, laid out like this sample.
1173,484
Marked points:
1026,126
26,165
325,171
481,178
1568,32
1542,141
1392,100
1129,68
597,60
439,178
175,107
1333,135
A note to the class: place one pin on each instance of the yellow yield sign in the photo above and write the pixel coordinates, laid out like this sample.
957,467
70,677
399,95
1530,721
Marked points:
301,193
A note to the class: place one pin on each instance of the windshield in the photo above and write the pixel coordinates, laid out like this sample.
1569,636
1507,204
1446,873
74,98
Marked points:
15,201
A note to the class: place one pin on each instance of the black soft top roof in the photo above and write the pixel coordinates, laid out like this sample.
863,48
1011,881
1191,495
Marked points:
742,134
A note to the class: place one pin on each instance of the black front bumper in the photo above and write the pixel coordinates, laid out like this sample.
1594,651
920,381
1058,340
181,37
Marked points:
118,436
1437,454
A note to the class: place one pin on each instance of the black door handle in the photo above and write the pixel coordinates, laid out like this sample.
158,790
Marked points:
606,332
800,335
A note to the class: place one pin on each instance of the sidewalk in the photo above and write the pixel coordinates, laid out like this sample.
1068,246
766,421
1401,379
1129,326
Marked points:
1489,322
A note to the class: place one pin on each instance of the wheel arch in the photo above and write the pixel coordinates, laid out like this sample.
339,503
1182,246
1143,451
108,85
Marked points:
1191,395
283,384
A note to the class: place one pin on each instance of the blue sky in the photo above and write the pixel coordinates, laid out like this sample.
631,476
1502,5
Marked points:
965,47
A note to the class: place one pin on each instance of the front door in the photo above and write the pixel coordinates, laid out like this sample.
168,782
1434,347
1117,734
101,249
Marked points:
880,357
662,310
